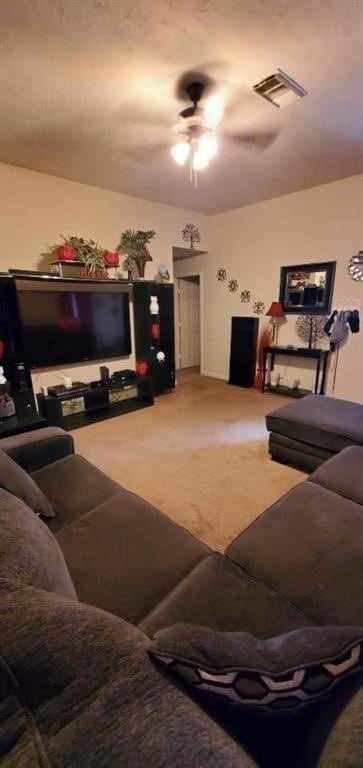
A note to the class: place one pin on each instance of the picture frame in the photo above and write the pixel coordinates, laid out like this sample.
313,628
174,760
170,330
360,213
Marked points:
307,289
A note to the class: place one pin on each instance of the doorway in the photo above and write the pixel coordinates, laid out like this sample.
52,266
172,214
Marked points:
189,305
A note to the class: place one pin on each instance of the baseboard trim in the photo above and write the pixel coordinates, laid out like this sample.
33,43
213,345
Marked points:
215,375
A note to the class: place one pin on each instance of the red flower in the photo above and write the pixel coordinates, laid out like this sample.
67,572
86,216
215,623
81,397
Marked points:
66,253
112,258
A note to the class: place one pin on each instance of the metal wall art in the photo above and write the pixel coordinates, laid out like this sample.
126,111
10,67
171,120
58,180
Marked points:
233,286
310,328
191,234
245,297
355,267
259,307
221,275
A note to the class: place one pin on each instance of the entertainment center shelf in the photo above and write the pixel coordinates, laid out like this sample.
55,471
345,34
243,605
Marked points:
47,321
73,410
15,425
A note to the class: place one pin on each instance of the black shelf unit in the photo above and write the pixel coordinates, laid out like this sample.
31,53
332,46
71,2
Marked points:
14,425
96,403
146,348
14,355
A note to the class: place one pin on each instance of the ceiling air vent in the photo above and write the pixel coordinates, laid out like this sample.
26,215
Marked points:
280,89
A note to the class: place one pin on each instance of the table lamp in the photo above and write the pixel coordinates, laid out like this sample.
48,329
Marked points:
275,312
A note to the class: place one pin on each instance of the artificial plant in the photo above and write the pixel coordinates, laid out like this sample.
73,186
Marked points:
133,244
265,340
89,252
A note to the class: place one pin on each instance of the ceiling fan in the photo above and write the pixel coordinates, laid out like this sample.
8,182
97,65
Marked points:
198,124
196,128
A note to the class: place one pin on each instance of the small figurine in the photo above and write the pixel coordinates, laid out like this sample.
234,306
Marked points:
154,305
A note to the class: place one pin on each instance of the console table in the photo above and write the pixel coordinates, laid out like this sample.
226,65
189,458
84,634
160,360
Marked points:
319,355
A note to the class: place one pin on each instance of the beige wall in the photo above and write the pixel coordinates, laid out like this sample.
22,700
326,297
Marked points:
252,243
35,209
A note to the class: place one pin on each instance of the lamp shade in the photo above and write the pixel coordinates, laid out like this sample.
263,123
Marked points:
275,310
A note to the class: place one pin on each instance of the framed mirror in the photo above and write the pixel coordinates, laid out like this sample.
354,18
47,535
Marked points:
307,288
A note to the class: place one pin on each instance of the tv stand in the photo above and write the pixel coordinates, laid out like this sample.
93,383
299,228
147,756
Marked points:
72,410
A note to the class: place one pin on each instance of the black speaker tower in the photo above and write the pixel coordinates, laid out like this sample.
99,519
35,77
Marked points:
243,355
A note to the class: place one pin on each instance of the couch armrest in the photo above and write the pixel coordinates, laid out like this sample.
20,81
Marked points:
36,449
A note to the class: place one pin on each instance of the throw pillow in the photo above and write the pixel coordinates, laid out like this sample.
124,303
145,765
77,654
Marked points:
29,553
15,480
281,673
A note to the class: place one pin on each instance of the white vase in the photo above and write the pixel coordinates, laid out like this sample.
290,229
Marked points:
274,379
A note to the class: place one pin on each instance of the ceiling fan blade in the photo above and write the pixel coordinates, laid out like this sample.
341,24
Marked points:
213,110
147,153
259,140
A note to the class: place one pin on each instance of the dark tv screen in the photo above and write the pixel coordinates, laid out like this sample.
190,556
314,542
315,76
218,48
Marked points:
74,326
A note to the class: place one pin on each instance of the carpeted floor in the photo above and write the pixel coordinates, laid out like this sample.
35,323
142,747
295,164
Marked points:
200,455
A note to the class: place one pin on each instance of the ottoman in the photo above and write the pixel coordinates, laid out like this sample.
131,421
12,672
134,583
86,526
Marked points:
307,432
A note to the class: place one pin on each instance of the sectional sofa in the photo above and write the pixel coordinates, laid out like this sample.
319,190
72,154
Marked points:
83,592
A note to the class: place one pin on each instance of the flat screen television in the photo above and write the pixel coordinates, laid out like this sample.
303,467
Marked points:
71,326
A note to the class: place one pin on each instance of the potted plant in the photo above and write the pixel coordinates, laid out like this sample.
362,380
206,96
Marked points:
91,255
94,260
73,249
133,244
111,258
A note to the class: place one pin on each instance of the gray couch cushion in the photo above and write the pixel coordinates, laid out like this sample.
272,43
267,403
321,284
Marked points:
74,487
309,547
343,474
318,420
29,553
284,673
125,556
35,449
15,480
79,691
220,595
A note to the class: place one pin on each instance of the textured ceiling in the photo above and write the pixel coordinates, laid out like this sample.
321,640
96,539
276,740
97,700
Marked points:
87,92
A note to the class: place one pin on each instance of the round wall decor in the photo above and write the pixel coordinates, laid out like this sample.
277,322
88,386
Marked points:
355,266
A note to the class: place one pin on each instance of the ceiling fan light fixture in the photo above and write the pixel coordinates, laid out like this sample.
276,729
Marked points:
180,152
208,146
200,161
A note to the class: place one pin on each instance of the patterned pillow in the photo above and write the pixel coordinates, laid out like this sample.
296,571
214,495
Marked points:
281,673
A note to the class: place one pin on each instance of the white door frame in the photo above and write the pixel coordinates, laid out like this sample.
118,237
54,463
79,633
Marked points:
201,313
